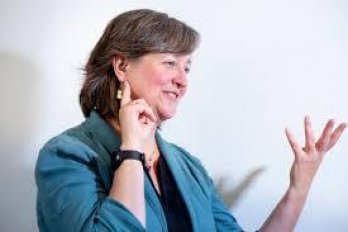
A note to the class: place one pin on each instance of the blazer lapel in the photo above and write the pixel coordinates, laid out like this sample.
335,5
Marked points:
180,177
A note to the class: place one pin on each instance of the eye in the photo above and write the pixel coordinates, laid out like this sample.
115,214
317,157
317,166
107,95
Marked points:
187,69
170,63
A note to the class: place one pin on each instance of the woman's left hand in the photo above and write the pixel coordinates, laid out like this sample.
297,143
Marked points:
308,159
307,162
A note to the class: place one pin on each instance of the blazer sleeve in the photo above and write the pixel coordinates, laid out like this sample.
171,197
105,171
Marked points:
71,195
224,221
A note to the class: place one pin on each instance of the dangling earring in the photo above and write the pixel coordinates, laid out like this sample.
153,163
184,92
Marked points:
119,94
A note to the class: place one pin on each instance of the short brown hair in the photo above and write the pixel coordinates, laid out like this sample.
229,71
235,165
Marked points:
131,34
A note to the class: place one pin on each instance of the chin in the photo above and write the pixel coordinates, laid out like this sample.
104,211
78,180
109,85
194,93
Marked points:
165,115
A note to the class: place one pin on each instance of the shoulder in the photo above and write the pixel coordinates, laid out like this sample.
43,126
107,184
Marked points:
71,144
64,143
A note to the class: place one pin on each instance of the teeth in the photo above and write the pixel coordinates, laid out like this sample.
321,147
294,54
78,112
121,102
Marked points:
173,95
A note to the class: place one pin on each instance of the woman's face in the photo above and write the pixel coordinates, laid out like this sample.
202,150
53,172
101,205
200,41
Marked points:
160,79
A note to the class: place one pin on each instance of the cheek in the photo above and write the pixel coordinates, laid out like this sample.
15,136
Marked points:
183,93
149,82
157,78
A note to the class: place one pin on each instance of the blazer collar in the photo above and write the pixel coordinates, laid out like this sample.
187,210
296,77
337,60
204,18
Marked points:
103,132
177,167
111,141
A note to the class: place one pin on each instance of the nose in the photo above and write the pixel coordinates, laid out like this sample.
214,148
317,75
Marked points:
180,79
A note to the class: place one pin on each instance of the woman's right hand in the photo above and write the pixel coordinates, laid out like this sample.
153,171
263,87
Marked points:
137,121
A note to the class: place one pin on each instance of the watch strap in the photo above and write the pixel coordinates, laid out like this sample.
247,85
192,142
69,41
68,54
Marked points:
121,155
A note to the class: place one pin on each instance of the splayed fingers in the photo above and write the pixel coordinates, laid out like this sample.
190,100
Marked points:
326,141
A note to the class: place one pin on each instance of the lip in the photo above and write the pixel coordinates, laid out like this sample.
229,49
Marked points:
173,95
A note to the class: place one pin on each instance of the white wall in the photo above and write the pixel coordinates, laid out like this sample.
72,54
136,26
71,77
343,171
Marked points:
262,65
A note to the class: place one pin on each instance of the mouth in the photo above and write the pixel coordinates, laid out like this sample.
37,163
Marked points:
171,95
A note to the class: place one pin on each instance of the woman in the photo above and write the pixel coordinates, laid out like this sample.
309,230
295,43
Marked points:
114,172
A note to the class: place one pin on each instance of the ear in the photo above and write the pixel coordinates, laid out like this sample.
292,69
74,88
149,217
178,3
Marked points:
119,64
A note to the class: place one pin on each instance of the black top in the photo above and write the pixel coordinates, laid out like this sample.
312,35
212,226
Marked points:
172,203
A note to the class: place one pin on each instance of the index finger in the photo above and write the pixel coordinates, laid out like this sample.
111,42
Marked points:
126,96
296,148
336,135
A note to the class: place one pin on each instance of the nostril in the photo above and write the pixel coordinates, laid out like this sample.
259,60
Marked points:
180,81
180,85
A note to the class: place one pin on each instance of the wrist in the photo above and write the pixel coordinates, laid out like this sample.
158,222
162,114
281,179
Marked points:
122,156
297,194
131,164
131,146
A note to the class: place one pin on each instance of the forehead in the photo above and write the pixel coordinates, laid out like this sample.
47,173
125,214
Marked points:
185,58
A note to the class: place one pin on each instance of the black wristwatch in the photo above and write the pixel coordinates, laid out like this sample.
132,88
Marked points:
120,156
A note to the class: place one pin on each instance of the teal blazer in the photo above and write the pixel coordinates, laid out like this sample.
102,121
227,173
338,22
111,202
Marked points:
74,177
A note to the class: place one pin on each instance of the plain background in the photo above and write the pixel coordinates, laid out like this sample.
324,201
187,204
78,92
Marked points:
262,65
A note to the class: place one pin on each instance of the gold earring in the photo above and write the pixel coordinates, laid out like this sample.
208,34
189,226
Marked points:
119,94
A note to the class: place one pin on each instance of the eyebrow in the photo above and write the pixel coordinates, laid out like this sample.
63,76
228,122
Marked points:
189,61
